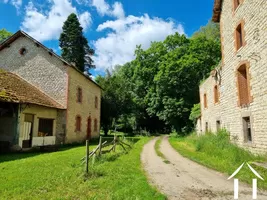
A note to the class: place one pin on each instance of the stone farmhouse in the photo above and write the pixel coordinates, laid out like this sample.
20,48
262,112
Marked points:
44,100
234,97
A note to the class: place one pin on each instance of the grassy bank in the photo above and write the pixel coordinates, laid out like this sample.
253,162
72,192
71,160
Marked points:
216,152
60,175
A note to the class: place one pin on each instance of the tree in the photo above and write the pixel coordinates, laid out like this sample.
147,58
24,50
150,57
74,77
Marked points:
74,45
195,113
211,31
4,34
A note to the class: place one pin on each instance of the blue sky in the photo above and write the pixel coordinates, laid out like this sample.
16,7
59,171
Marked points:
113,28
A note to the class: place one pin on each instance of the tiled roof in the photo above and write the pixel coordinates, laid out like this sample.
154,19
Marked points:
17,90
217,10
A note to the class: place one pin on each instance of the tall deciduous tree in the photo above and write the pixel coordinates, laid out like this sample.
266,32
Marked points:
4,34
74,45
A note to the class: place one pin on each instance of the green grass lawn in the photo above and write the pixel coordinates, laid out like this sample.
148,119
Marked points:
216,152
60,175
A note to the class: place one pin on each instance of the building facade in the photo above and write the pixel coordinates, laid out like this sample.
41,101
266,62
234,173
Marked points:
234,96
77,115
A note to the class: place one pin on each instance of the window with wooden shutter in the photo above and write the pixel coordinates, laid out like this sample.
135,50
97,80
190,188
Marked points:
236,4
239,36
243,85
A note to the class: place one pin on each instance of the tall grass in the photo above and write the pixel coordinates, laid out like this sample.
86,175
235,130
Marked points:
217,152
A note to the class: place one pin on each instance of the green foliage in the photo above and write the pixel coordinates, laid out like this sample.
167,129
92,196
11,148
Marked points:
4,34
217,152
74,45
60,175
195,113
162,83
211,31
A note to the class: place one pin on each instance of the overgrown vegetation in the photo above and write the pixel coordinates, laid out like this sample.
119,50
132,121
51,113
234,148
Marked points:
156,91
217,152
60,175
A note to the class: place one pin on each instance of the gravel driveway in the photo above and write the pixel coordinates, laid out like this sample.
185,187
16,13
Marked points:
187,180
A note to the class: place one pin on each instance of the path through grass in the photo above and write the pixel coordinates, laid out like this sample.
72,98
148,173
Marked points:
159,153
60,175
216,152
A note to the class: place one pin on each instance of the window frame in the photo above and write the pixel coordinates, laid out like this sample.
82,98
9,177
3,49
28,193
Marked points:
249,98
79,95
239,36
78,124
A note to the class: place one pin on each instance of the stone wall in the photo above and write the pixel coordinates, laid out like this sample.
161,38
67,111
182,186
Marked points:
38,67
85,109
254,53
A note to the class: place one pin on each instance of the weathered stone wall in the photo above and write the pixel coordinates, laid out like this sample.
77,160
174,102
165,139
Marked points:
38,67
85,109
254,53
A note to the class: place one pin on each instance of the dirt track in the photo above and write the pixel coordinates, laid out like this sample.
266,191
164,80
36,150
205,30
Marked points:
185,179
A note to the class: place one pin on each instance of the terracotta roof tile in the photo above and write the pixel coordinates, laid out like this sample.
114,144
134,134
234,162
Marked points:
17,90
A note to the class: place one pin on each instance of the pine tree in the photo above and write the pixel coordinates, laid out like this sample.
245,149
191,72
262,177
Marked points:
74,45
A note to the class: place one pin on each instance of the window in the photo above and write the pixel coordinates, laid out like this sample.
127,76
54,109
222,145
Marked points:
236,4
239,36
243,85
216,94
79,95
95,125
247,129
206,127
22,51
205,101
45,127
218,125
96,102
78,123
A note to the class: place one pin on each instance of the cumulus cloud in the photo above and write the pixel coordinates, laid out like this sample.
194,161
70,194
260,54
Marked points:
16,3
119,45
48,25
103,8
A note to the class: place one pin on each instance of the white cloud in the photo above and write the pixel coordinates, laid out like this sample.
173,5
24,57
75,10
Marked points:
48,25
118,46
103,8
16,3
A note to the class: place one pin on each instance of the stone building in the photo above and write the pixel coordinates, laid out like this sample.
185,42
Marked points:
53,98
234,96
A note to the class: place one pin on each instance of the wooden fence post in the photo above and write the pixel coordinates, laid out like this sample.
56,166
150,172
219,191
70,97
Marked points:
100,145
87,156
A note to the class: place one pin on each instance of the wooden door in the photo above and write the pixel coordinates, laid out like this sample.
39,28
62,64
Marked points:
89,129
27,131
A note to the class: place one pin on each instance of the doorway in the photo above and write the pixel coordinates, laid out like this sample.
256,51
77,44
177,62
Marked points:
27,132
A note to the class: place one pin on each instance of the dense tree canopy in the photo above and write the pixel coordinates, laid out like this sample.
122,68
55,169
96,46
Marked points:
74,45
162,83
4,34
